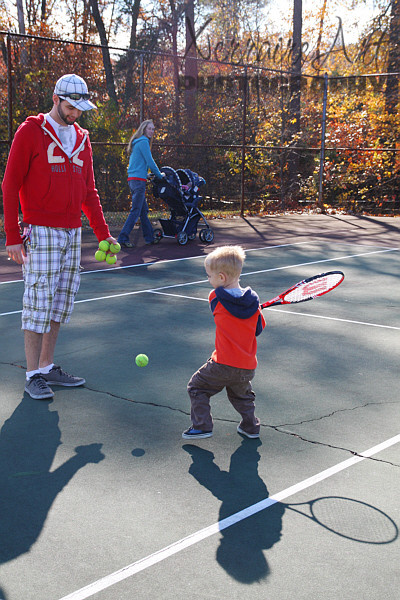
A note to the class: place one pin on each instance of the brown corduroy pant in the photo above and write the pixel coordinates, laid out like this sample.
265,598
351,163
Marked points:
211,379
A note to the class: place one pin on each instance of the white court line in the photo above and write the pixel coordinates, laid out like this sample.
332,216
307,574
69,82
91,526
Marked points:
198,536
291,312
324,260
170,260
176,285
301,314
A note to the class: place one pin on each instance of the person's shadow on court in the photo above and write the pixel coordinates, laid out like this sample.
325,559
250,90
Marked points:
28,443
2,594
242,545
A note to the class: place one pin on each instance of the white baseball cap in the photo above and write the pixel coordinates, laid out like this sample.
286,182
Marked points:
74,89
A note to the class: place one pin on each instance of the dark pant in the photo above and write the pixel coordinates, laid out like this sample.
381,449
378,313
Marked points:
212,378
139,209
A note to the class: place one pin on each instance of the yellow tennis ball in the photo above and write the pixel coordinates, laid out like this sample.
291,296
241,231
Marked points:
115,248
142,360
111,259
100,255
104,245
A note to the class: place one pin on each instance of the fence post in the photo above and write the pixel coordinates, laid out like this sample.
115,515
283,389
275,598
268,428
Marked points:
243,140
322,154
9,92
141,88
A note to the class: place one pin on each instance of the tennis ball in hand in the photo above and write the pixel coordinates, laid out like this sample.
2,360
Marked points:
104,245
111,259
115,248
141,360
100,255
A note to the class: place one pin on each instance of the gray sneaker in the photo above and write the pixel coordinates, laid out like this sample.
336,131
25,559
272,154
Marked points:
37,388
59,377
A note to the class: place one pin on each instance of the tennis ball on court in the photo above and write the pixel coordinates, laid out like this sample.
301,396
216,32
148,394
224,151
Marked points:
100,255
141,360
111,259
115,248
104,245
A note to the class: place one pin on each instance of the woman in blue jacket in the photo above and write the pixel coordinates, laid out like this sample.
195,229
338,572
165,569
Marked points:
140,161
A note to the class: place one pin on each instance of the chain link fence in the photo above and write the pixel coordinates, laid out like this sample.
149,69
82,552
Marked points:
231,124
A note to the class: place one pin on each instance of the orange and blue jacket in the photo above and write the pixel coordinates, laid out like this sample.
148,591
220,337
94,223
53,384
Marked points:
238,320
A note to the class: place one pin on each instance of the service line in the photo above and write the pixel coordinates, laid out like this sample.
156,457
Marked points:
176,285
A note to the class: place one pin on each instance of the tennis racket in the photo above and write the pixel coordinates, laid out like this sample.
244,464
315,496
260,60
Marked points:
310,288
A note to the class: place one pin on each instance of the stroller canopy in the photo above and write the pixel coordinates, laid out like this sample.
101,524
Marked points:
178,189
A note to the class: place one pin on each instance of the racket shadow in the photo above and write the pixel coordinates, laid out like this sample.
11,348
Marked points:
349,518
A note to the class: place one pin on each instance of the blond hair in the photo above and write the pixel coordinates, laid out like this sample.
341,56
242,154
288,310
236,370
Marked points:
137,134
226,259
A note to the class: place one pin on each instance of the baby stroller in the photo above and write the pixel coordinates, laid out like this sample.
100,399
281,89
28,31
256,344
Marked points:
180,190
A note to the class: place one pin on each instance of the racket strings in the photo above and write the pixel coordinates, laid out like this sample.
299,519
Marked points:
313,287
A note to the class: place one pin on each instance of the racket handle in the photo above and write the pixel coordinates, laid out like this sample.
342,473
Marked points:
273,302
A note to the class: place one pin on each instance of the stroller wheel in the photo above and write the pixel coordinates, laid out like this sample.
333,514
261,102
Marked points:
157,235
182,238
206,235
192,236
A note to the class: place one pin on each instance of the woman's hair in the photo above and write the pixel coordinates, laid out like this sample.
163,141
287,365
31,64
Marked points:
138,133
226,259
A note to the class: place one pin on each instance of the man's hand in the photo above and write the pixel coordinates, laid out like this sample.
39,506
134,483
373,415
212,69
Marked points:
17,253
112,240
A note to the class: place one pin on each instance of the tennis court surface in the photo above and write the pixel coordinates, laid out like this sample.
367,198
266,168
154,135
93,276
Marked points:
101,497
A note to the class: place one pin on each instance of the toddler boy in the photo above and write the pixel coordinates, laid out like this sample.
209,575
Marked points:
238,320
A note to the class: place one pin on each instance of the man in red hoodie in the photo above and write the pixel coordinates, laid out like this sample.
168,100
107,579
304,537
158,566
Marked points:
49,177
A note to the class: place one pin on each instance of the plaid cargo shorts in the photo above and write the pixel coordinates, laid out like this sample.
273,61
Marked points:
51,276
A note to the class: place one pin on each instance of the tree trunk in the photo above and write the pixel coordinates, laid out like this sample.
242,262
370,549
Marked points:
174,29
295,99
392,85
21,18
43,15
319,40
131,58
21,28
105,51
191,71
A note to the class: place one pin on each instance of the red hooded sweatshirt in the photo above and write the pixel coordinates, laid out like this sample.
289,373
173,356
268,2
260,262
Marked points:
51,188
238,320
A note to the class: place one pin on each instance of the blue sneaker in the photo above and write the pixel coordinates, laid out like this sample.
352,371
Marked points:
195,434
